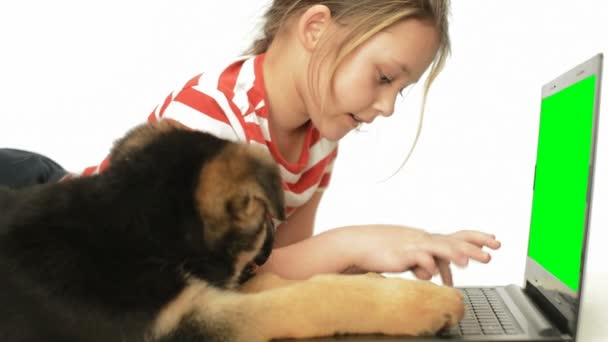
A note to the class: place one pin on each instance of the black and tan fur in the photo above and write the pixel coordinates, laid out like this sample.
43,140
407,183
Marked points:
156,248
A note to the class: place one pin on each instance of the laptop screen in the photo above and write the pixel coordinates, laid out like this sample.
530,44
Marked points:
561,181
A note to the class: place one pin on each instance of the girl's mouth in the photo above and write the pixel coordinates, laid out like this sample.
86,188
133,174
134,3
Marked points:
356,118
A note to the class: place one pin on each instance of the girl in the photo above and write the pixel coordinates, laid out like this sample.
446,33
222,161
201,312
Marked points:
320,69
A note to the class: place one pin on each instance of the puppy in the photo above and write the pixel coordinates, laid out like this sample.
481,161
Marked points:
159,247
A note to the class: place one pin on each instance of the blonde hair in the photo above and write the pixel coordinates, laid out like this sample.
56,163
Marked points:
364,18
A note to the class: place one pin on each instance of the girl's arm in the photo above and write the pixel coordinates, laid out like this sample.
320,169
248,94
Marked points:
380,248
370,248
322,253
297,254
300,224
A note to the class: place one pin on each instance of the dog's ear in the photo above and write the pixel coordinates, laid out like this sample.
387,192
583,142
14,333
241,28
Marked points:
261,193
238,189
268,178
140,136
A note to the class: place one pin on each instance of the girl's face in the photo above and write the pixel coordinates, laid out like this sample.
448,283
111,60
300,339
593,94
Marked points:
368,81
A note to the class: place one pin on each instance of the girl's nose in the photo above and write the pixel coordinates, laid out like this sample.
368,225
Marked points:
385,105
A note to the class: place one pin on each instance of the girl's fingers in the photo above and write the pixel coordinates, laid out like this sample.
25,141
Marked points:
453,250
477,238
422,274
425,265
473,252
436,253
445,272
469,244
446,249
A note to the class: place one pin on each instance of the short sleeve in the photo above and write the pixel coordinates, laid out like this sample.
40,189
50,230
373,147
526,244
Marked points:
200,108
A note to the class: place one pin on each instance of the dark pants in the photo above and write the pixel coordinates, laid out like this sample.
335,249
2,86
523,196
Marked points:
20,169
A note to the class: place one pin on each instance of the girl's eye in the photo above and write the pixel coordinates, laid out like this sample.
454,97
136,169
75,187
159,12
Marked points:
406,90
385,79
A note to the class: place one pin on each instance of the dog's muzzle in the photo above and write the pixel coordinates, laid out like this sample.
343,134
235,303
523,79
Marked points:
251,268
264,254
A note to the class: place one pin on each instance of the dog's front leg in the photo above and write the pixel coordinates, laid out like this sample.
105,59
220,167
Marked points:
265,281
331,304
321,306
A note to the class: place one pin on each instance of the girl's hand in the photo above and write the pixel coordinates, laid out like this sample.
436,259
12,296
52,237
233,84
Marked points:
476,238
398,249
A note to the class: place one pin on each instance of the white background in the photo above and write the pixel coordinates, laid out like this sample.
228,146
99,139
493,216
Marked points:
76,75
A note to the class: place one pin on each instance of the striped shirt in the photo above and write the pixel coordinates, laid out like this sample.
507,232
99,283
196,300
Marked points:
230,103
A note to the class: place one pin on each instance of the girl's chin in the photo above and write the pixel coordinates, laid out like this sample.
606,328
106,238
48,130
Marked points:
335,134
338,128
332,138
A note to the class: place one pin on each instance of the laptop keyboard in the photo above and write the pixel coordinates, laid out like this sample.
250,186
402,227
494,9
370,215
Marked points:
485,314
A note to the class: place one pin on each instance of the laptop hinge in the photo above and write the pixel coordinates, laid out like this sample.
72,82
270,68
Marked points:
550,311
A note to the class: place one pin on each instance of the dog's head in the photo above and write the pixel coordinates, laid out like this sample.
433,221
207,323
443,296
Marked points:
238,194
234,189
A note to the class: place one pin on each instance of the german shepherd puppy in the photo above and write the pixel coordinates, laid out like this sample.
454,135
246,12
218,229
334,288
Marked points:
158,247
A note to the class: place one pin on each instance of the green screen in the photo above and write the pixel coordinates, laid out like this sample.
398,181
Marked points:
562,174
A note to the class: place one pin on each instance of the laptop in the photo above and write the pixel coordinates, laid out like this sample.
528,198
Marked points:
546,308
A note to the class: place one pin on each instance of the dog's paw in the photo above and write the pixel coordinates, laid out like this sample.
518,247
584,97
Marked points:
413,307
424,308
448,302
